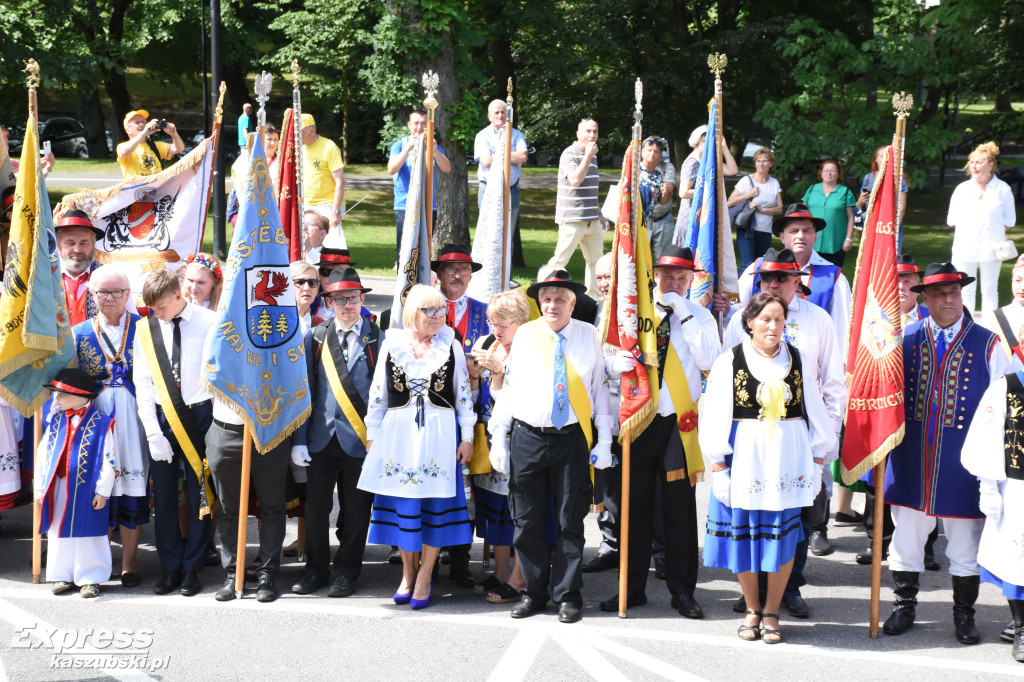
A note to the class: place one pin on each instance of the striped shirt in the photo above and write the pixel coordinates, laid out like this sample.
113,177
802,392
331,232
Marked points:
576,204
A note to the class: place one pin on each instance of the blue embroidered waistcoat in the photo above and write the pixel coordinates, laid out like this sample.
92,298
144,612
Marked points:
91,356
85,460
822,283
924,471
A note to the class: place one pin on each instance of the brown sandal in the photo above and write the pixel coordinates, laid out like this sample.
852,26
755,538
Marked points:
754,629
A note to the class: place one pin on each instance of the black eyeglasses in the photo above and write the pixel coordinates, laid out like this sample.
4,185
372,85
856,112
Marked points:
776,277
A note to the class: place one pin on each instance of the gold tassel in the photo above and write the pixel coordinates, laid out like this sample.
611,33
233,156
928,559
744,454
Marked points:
772,397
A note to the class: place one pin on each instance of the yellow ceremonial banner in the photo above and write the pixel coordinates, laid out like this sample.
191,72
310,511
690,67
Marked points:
35,333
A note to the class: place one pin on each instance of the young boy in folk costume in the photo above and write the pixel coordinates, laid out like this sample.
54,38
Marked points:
75,466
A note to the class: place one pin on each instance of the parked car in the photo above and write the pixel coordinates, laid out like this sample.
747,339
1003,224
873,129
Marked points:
66,136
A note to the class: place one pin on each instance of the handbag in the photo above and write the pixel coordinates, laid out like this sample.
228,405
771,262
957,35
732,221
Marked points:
1006,250
742,215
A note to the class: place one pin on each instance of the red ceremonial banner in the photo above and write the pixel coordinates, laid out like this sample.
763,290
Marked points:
628,322
874,366
287,183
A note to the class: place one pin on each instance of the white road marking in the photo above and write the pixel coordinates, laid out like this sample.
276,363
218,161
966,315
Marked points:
22,620
642,660
577,645
514,664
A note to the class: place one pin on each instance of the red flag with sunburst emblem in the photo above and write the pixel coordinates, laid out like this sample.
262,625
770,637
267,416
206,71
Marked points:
874,366
288,199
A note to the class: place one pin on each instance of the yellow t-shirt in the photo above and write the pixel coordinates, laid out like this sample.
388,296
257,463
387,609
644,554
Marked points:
143,161
319,160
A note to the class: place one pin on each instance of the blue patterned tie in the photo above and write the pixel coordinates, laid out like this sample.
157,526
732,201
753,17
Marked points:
560,403
940,348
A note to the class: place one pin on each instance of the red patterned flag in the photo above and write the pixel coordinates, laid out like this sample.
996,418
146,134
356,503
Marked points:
287,184
628,321
874,414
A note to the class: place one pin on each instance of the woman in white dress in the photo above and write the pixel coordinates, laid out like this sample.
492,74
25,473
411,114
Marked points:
765,432
105,344
10,464
419,431
980,211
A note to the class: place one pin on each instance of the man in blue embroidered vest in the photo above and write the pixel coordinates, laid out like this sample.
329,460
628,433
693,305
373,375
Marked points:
948,362
75,473
341,354
558,399
468,317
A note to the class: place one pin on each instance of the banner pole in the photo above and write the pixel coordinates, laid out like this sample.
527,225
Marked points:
624,525
217,115
506,200
717,63
297,151
876,546
37,505
243,512
430,83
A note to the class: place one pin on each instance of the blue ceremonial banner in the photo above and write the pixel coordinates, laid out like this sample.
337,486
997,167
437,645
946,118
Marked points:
35,335
709,235
255,360
414,251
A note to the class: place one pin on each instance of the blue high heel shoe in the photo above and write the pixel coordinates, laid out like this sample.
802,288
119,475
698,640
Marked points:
403,598
421,603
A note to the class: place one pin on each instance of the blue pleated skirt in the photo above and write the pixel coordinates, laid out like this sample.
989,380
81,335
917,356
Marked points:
410,523
1008,590
750,540
493,517
128,511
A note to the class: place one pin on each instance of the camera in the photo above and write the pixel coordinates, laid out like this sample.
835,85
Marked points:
161,124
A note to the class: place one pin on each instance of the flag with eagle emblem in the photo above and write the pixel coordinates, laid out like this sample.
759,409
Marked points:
254,360
874,367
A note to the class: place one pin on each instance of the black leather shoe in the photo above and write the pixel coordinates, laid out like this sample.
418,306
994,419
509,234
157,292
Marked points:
1008,633
267,590
395,556
930,562
687,606
169,582
864,556
659,569
601,562
227,590
740,605
901,618
818,543
796,606
212,555
527,607
308,584
191,585
568,612
341,586
612,605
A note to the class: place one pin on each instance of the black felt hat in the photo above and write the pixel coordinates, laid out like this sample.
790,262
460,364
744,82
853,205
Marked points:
76,218
556,278
941,273
797,211
452,254
329,257
74,381
782,262
676,258
345,280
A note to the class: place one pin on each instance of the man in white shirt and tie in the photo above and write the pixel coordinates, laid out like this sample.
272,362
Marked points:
173,407
559,387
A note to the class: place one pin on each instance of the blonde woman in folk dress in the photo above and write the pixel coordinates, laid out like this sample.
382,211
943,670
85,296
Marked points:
765,433
202,281
420,394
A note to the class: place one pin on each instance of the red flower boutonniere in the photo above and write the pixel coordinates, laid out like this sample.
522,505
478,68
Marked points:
688,422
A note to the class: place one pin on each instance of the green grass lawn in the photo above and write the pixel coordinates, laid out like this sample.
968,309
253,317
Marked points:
370,232
69,165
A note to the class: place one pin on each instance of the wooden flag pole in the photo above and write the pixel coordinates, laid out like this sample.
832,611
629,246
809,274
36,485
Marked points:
506,200
32,80
902,104
430,83
37,505
625,437
297,151
243,513
717,63
218,114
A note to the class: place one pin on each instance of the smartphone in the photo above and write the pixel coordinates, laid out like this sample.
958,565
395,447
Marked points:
46,149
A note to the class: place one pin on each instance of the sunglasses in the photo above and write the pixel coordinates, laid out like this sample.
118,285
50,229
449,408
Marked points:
311,283
324,272
774,277
434,312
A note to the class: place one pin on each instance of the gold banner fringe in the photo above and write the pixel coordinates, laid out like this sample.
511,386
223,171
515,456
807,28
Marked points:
262,448
869,462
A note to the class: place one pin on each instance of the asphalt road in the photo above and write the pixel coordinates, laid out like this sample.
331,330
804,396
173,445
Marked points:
367,637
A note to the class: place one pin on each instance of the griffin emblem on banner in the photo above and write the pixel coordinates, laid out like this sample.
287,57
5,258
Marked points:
271,315
141,226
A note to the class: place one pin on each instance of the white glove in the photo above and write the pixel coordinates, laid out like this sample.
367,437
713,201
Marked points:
160,449
498,453
300,455
671,300
601,456
816,478
721,486
991,502
623,361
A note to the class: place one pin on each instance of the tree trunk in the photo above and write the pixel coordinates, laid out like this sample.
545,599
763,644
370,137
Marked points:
238,92
452,224
117,90
1004,102
92,119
